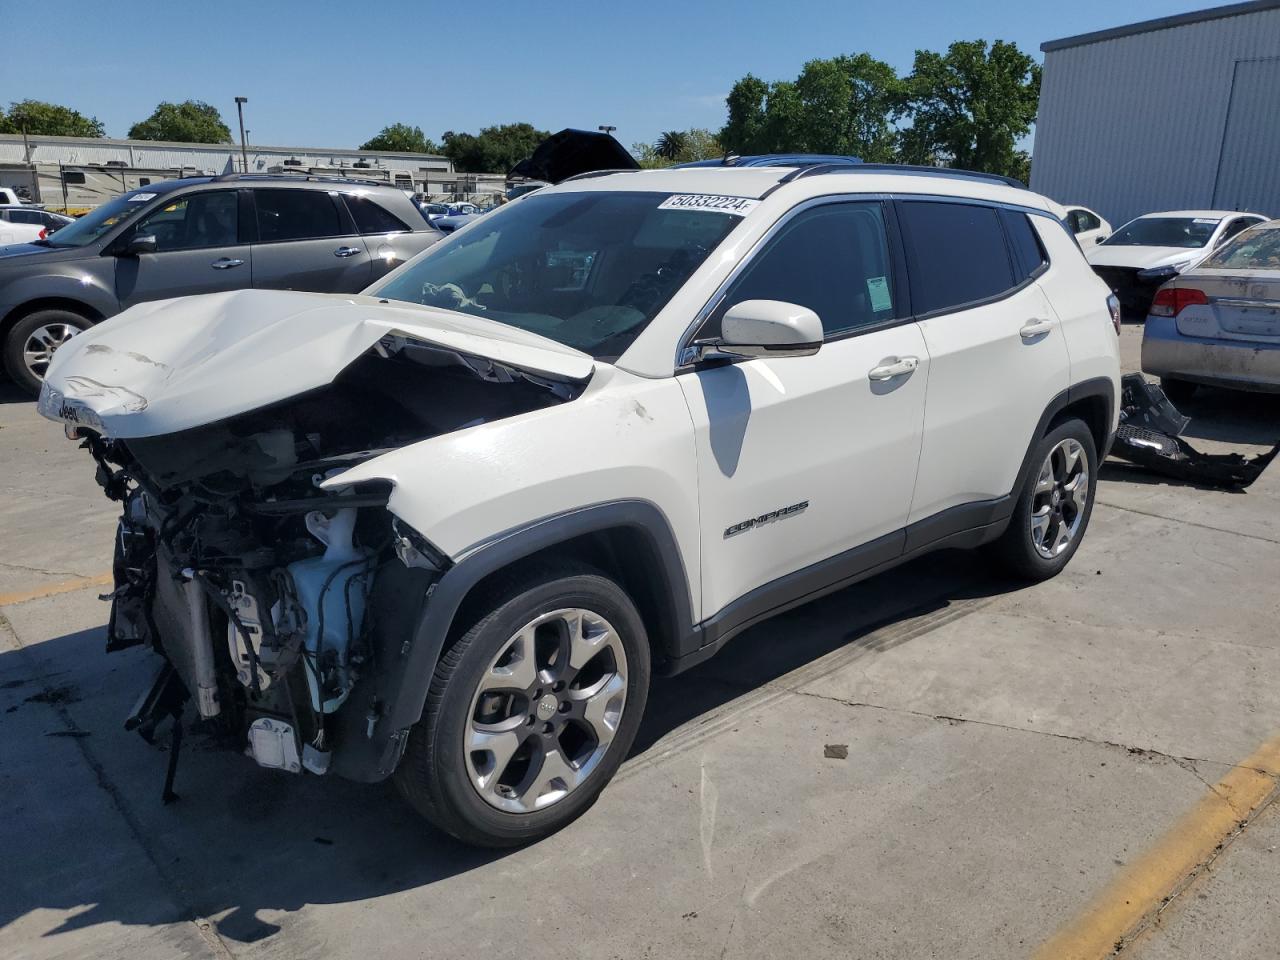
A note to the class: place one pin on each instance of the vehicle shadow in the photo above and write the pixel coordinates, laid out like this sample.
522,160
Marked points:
11,393
246,847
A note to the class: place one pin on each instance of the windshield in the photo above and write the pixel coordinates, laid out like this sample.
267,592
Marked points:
100,221
1164,232
589,270
1257,249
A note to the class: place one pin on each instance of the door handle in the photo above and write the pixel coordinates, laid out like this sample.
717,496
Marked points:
226,263
345,252
1035,328
892,367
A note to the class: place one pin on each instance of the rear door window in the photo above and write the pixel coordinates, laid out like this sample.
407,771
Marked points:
371,217
956,254
296,215
833,259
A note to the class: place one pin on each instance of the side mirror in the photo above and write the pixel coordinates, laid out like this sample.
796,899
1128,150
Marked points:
768,328
141,243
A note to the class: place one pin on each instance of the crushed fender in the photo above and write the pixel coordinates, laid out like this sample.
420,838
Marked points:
1149,436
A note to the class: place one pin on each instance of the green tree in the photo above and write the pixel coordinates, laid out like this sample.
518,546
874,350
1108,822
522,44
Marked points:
693,144
191,121
671,145
970,106
748,103
844,105
847,105
48,120
401,137
494,149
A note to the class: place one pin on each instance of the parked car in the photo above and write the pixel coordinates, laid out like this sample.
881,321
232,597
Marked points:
453,221
433,211
1089,228
1136,259
448,530
23,223
11,197
1218,323
198,235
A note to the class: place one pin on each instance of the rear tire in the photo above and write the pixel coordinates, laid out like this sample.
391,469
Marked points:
1179,391
31,342
513,744
1054,505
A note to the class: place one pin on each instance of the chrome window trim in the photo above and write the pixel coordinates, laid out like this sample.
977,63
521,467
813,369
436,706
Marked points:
685,350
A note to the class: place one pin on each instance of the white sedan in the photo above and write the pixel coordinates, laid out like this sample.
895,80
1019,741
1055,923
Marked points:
1146,252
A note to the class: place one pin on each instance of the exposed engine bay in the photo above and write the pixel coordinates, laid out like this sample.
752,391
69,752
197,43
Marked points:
264,592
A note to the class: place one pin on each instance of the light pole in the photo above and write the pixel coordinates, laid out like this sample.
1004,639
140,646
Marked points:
244,151
605,128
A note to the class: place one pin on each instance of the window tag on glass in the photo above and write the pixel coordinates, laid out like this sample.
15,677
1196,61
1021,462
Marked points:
737,206
140,197
878,291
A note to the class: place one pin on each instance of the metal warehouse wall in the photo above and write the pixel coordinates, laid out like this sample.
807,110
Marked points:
1140,123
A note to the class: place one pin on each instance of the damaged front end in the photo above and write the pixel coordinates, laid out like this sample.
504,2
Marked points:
282,609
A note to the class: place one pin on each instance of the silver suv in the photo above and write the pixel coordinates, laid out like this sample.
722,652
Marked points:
199,235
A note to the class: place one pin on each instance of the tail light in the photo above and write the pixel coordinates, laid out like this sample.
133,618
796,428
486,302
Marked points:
44,233
1171,301
1113,305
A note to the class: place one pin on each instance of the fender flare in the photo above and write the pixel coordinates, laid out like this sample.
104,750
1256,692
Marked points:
1095,387
447,594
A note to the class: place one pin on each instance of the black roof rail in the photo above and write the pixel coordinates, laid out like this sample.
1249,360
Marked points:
300,175
914,169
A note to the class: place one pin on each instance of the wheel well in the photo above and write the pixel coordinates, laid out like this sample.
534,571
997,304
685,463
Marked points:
1094,411
48,303
626,554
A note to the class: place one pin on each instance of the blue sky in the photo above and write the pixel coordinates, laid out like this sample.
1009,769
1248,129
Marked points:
322,73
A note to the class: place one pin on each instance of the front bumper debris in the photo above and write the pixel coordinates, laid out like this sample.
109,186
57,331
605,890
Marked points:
1149,436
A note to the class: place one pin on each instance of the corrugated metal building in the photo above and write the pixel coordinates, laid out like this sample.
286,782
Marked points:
1177,113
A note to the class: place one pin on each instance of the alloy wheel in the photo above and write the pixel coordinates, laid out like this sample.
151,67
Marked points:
43,343
546,710
1059,499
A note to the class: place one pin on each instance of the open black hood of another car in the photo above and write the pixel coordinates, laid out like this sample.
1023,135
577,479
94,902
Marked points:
571,152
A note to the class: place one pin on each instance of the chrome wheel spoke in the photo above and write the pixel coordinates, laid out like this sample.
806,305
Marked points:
603,709
555,777
516,668
1078,490
499,746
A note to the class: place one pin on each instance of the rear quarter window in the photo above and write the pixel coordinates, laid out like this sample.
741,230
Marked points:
956,254
371,217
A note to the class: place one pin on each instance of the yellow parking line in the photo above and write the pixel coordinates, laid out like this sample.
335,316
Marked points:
53,589
1147,883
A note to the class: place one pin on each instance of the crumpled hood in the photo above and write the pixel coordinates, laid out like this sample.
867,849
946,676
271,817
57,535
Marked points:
1140,258
170,365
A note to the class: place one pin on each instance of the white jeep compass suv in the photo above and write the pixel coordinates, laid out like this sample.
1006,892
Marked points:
449,529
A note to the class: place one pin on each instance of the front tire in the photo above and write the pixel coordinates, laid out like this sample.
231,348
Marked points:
531,710
1054,505
31,343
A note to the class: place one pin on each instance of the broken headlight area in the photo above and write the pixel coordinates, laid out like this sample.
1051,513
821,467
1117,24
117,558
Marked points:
282,608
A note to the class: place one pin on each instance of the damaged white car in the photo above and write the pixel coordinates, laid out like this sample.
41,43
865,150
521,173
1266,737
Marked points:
447,530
